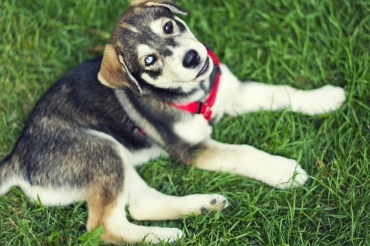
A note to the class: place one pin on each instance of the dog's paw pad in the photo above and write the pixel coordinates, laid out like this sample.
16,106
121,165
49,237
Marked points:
216,202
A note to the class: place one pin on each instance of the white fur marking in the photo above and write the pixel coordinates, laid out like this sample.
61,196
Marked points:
103,81
129,27
156,26
52,197
194,130
8,183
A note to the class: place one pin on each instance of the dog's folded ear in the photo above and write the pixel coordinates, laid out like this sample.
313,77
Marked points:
114,72
164,3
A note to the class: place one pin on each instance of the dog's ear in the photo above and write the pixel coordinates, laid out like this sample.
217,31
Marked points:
114,72
164,3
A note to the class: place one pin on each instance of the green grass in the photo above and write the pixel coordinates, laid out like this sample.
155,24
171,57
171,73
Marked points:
306,44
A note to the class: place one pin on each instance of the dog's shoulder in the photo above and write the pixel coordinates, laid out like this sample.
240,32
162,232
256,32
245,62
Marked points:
79,101
77,94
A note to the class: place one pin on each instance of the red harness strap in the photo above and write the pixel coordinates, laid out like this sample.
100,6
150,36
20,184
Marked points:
204,108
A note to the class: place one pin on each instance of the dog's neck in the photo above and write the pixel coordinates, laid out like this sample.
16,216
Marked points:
204,107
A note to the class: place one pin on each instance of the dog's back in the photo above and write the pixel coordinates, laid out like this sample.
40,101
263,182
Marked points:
61,129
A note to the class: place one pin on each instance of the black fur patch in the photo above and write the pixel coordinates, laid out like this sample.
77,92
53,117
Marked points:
171,42
153,74
181,26
167,52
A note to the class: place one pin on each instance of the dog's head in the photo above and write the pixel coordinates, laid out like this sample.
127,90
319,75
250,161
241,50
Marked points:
149,45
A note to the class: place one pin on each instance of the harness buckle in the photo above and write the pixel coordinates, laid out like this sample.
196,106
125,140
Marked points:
207,111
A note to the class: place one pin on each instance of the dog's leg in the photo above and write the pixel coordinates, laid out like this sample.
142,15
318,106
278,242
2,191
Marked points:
248,161
111,214
144,203
147,203
109,211
247,97
106,197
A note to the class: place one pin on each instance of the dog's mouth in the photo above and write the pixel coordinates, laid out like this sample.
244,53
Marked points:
204,68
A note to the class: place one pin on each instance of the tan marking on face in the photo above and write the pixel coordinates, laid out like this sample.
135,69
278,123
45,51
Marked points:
129,27
137,2
156,26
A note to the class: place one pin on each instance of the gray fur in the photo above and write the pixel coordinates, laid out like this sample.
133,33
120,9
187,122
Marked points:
56,149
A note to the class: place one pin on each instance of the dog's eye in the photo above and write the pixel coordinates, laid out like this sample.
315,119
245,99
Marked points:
168,28
149,60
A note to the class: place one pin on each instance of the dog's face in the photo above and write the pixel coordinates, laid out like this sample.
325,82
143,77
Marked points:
151,45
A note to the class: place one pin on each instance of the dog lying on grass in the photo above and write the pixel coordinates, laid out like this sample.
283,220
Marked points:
153,92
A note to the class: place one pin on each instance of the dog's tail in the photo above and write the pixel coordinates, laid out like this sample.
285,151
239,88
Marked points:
7,175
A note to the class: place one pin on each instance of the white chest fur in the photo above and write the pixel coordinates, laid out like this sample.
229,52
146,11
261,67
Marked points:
194,130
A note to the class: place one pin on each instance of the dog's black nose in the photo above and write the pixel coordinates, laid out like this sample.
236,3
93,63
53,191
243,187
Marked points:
191,59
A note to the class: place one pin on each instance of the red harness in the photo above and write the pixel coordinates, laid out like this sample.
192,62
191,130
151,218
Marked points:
204,108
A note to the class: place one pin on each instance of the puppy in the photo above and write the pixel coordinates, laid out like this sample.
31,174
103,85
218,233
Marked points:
153,92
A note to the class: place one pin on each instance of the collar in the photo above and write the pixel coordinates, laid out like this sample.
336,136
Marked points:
204,108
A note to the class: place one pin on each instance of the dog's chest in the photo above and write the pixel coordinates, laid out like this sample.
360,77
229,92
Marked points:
194,130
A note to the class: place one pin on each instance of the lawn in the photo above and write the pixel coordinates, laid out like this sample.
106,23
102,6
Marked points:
305,44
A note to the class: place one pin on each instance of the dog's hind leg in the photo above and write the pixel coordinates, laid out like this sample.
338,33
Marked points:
111,215
239,98
147,203
109,191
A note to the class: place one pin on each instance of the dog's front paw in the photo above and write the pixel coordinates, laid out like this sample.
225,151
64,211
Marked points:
160,234
319,101
282,173
291,175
